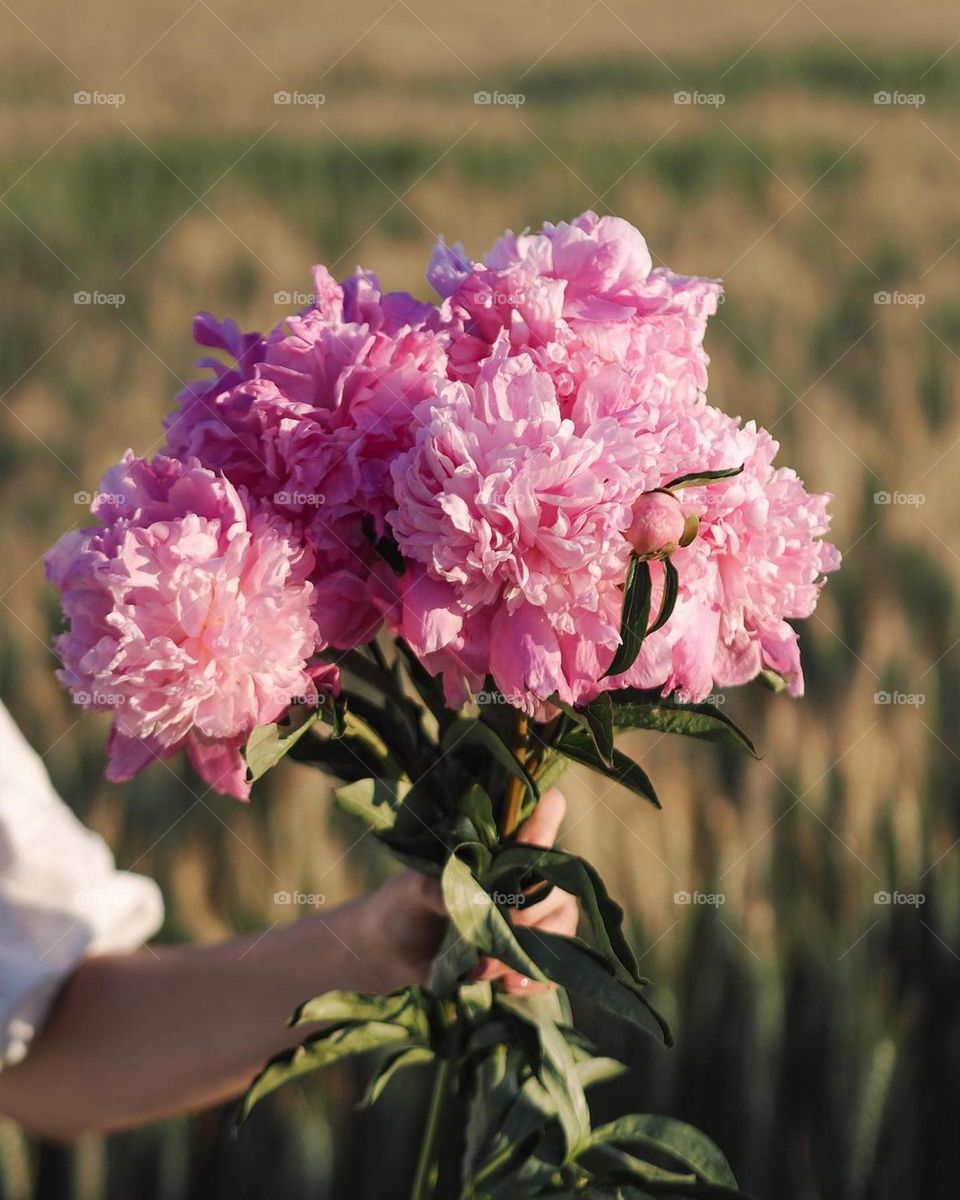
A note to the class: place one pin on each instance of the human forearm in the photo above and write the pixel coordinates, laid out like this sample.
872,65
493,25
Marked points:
133,1038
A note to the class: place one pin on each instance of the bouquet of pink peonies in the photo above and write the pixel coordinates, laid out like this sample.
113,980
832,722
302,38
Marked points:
441,552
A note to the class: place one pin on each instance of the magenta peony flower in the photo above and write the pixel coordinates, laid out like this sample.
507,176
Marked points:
190,617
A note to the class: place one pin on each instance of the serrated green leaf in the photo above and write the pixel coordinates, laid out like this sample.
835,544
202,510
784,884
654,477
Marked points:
579,746
634,617
704,721
696,478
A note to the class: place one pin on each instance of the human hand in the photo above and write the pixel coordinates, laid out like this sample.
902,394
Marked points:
405,919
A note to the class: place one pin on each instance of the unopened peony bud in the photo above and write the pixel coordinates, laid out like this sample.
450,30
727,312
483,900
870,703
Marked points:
659,525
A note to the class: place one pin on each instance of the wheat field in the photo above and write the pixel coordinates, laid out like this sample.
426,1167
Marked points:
818,1027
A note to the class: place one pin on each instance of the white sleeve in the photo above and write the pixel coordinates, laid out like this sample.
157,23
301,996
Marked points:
61,896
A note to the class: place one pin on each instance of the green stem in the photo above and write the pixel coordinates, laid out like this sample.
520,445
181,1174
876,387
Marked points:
424,1181
514,800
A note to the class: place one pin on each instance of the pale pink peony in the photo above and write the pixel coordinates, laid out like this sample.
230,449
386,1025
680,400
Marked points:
189,616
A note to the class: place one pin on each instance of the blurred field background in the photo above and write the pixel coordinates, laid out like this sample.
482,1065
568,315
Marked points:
818,1031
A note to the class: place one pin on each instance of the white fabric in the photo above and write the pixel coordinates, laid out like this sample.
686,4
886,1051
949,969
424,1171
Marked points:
61,896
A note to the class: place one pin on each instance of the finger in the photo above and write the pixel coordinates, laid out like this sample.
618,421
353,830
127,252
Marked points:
559,913
489,969
543,824
516,984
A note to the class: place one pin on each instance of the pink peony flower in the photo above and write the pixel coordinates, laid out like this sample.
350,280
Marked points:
517,520
190,617
311,419
580,294
516,505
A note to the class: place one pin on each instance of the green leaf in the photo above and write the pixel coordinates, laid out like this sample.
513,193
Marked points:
406,1007
576,876
455,956
686,1146
479,922
634,617
429,687
557,1073
374,801
598,1070
671,589
596,718
468,731
348,757
266,746
397,1061
395,725
576,966
477,806
579,746
319,1051
704,721
696,478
